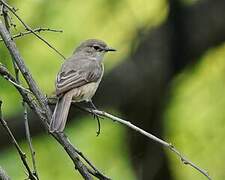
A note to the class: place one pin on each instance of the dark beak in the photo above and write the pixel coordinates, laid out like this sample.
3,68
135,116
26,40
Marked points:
109,49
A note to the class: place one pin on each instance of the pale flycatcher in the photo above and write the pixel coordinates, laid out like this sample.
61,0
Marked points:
78,79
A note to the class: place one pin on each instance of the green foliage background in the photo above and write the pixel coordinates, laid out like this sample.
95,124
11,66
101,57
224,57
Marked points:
194,115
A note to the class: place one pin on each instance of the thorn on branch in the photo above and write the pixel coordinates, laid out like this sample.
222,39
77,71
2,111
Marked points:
15,9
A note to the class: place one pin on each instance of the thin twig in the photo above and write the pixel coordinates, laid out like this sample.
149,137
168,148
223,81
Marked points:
52,100
7,19
27,27
21,153
16,69
5,15
30,100
4,72
24,70
152,137
15,84
97,173
28,136
21,34
68,146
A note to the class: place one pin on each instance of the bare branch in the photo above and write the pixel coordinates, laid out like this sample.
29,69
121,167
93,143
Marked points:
96,172
8,24
24,70
152,137
184,160
21,153
5,15
32,152
23,92
63,139
17,85
27,27
21,34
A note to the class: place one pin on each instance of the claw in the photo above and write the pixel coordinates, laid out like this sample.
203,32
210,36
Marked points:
96,116
98,128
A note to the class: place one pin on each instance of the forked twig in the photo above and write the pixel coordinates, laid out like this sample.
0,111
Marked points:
8,24
18,85
21,34
28,28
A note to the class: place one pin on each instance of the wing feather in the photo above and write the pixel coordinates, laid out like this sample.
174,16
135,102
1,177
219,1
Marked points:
77,72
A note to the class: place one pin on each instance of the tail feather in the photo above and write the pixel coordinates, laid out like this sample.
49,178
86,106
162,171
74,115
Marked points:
60,114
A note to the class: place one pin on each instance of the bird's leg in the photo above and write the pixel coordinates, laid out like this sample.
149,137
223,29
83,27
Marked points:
96,116
93,107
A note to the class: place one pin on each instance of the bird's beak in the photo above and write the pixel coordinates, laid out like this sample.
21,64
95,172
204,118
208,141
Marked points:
109,49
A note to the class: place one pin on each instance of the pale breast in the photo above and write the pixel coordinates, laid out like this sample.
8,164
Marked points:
87,91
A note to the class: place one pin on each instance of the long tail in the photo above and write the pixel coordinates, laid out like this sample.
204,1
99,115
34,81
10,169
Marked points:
60,114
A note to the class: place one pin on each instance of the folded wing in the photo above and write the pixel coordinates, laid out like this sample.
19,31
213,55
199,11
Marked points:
77,72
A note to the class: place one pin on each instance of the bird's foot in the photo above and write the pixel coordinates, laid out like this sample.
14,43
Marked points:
97,117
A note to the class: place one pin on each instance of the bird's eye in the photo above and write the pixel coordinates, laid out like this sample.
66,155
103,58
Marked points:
97,48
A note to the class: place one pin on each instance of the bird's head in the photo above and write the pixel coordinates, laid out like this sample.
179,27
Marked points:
93,48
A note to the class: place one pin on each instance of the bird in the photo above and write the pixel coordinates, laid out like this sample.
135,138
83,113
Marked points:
78,80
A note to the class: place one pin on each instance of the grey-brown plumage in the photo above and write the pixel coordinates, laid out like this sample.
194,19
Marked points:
78,79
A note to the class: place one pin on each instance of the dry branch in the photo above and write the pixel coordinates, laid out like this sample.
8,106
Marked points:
28,137
154,138
28,28
165,144
21,153
21,34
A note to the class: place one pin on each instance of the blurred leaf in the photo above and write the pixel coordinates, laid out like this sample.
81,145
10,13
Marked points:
194,121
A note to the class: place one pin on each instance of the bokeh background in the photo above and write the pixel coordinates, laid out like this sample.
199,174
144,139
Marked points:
168,77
